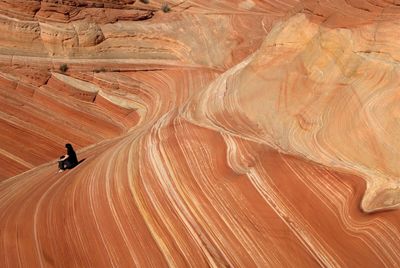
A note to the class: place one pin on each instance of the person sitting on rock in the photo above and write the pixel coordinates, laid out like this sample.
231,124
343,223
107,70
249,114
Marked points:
69,160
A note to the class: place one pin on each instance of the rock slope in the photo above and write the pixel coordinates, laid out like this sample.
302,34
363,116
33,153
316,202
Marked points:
227,133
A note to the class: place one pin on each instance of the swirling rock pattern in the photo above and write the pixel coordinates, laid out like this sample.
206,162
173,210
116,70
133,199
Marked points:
227,133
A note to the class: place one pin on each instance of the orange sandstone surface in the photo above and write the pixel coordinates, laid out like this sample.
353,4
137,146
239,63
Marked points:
221,133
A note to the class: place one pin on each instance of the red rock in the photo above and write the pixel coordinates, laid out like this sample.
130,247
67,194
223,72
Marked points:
221,133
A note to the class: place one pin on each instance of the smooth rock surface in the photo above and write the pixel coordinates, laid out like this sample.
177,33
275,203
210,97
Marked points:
222,133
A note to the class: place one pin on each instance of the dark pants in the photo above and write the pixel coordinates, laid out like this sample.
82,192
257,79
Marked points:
65,164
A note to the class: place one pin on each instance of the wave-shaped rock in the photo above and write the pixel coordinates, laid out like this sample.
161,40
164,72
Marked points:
297,92
227,133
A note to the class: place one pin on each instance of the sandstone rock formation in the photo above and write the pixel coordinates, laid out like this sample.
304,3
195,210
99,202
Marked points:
222,133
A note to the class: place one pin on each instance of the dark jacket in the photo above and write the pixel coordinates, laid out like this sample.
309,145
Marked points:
72,160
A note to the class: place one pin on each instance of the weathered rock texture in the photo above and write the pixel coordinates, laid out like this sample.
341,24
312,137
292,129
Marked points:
222,133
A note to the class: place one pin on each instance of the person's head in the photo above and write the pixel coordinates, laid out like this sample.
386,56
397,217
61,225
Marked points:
68,146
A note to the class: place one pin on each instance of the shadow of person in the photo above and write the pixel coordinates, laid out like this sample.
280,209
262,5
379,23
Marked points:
80,161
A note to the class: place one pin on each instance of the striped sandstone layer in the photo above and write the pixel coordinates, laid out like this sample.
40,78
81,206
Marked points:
227,133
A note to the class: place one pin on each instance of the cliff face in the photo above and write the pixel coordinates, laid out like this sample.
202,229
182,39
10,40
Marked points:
226,133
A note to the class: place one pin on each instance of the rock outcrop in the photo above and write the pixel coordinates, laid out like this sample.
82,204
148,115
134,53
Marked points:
227,133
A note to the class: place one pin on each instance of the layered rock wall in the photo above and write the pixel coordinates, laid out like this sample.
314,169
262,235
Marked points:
221,133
